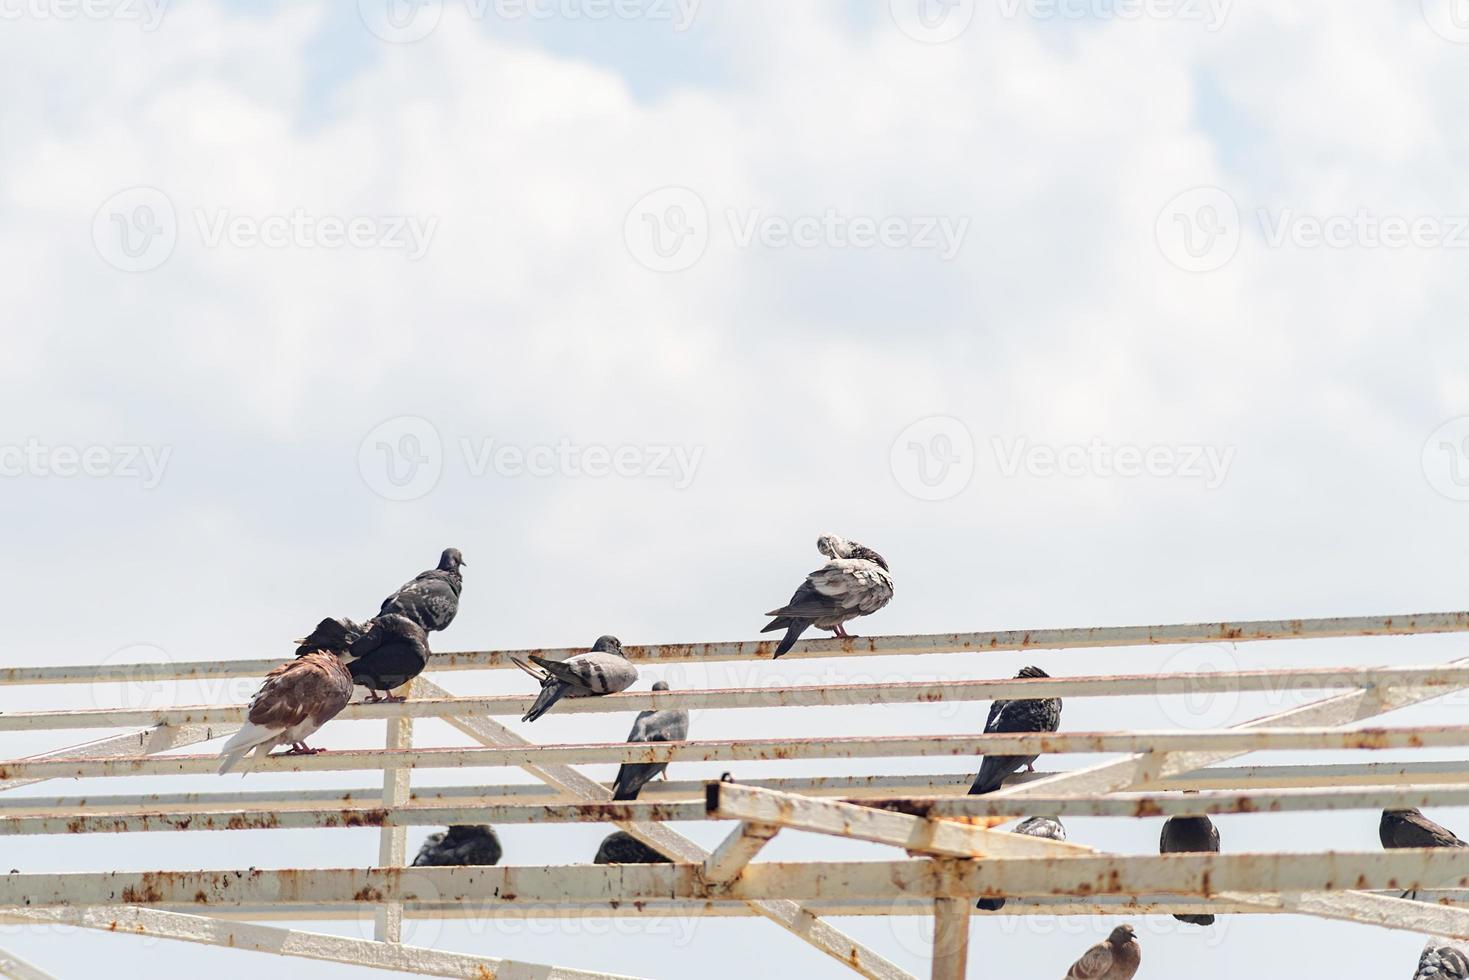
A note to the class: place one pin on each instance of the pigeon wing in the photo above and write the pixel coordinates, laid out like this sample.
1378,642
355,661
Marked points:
1094,964
592,673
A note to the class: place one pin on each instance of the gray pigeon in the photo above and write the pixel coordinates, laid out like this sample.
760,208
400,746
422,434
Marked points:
431,599
651,726
1410,828
605,670
1443,959
1185,835
855,582
1115,958
623,848
1048,827
459,846
1015,717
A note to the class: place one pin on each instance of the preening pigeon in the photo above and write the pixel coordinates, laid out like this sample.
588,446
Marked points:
432,599
460,845
1443,959
296,699
624,848
1115,958
1012,717
855,582
1047,827
1410,828
604,670
1183,835
668,725
388,650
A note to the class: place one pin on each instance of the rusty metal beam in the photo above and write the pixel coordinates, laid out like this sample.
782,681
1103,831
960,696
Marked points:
736,851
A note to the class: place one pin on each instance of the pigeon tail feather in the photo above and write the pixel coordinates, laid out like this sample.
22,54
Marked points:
549,695
793,633
251,736
1196,920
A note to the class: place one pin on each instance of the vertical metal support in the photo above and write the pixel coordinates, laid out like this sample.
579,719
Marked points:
951,937
393,841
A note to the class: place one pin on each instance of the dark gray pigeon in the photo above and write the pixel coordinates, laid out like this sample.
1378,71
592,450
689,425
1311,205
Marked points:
1187,835
1014,717
604,670
669,725
1048,827
388,651
1410,828
1443,959
432,598
460,845
855,582
623,848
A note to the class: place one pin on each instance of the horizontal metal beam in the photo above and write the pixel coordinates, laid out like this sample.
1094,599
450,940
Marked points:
1083,875
799,696
162,924
1236,741
1001,641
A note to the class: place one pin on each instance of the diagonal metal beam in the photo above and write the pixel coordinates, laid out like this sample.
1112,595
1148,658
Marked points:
1334,712
306,945
788,914
146,742
736,851
15,968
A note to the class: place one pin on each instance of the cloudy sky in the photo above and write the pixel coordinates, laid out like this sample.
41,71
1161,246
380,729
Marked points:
1082,312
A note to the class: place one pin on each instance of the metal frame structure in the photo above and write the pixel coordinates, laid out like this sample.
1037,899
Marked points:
943,832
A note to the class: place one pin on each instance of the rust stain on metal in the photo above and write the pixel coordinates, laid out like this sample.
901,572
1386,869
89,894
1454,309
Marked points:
368,894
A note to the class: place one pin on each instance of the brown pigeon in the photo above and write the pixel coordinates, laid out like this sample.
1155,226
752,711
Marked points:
1410,828
1115,958
296,699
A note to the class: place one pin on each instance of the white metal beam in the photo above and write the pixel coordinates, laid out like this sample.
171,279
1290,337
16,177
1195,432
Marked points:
789,915
393,838
15,968
736,851
951,938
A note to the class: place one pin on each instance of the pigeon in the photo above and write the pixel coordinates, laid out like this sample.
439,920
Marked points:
1443,959
460,845
296,699
623,848
1029,715
1115,958
388,650
604,670
1182,835
1410,828
432,599
651,726
1047,827
855,582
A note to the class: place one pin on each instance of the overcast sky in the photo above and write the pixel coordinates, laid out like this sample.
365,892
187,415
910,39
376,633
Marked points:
1082,312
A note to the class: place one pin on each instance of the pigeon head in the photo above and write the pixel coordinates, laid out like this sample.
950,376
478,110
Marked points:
832,545
1406,812
1122,935
451,560
608,644
660,686
1032,672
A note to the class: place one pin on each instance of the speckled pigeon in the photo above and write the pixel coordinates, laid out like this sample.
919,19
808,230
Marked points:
296,699
1443,959
1115,958
460,845
668,725
1013,717
1185,835
855,582
432,598
604,670
1047,827
623,848
1410,828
